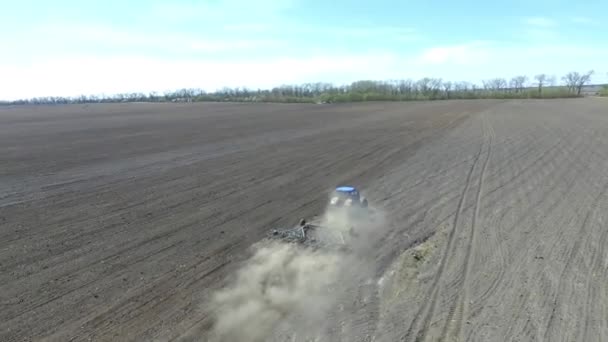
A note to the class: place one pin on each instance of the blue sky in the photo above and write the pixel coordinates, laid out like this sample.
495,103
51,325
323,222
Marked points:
68,47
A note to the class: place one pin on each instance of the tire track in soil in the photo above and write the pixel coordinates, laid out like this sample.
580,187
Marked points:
581,235
557,196
552,207
495,239
425,314
537,206
363,323
473,239
594,268
460,307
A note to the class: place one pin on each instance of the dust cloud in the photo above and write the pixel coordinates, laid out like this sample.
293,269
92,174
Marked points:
280,283
292,289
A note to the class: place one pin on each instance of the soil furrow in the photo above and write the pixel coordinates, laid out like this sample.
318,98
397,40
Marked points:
420,325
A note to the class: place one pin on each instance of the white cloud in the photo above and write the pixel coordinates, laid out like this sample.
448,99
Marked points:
358,32
538,29
471,61
583,20
540,22
222,11
368,32
465,54
476,61
268,17
540,34
93,75
227,39
250,28
106,44
108,37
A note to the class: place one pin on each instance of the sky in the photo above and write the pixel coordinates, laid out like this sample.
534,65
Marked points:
68,48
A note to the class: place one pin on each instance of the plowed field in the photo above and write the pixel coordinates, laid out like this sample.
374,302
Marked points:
118,222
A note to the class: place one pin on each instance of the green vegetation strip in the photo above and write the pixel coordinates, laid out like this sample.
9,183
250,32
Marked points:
519,87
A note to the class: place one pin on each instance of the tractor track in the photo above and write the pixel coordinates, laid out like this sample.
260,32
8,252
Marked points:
582,234
460,307
473,242
595,268
421,324
513,279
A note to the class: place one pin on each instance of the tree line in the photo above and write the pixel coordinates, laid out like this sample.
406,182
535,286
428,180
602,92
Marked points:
540,86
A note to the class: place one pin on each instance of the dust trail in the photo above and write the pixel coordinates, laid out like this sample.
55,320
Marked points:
363,228
288,291
280,283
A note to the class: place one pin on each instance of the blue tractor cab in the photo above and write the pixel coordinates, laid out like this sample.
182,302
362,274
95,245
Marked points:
348,191
347,196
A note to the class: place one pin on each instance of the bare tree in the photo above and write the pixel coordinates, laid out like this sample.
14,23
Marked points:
501,83
462,88
423,85
495,84
541,78
405,86
447,87
430,88
435,86
583,80
571,80
513,85
518,82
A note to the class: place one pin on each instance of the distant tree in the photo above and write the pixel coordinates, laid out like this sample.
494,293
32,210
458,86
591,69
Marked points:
583,80
518,82
513,85
363,90
495,84
570,79
365,86
462,86
541,78
435,86
423,85
405,87
487,85
447,88
576,81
